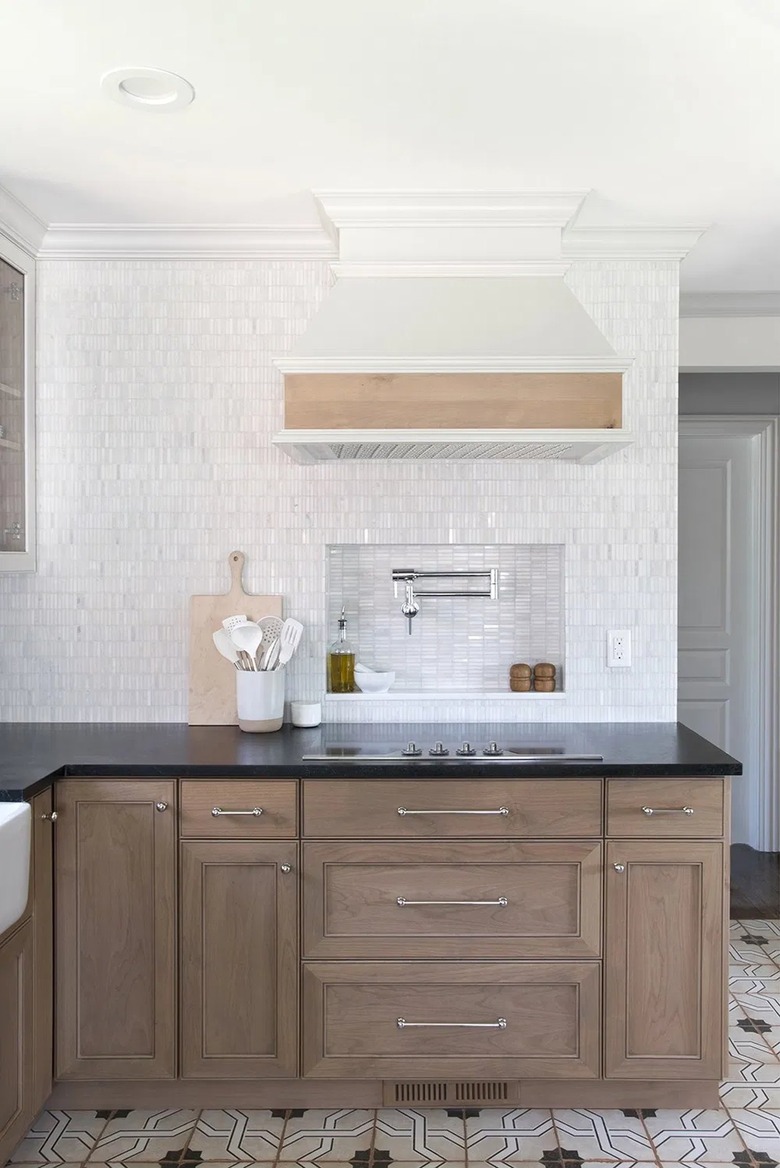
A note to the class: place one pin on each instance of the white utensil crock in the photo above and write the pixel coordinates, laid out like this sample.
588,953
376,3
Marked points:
260,700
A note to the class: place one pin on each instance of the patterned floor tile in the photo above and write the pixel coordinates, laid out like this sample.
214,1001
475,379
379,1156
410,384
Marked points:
516,1135
761,1132
694,1136
146,1136
751,1048
316,1137
237,1135
766,927
750,1095
60,1137
603,1135
420,1136
756,987
761,969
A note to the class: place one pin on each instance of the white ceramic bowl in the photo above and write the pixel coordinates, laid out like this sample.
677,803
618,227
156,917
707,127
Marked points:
374,682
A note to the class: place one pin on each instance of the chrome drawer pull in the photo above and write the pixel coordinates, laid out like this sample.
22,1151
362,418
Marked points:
406,811
502,902
499,1024
668,810
215,811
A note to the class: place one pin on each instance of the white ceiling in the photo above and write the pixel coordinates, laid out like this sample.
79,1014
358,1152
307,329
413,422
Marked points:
668,110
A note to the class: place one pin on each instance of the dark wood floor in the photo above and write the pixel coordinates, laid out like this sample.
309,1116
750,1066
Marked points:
755,884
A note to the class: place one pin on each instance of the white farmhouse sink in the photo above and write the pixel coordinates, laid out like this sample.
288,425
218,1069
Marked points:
15,828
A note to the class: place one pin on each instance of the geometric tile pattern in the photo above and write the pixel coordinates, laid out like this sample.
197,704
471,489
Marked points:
744,1132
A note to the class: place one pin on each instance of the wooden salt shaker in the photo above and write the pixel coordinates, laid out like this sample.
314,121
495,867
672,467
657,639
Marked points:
520,678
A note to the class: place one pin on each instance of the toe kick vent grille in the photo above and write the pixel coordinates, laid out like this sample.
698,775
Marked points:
484,1092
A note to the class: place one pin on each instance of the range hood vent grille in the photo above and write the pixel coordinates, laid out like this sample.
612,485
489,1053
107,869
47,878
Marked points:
427,450
583,446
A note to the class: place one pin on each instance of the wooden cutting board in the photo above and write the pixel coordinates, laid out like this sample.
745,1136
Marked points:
212,678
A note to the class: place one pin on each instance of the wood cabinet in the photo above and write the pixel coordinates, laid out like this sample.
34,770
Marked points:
385,1019
239,959
664,959
461,899
451,808
116,937
16,1036
574,960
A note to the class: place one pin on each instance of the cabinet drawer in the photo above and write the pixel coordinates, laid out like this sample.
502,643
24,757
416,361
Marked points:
657,807
532,1020
424,899
414,809
236,800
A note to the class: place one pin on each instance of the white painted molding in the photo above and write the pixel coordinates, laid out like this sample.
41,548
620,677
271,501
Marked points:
19,224
113,241
448,269
764,698
630,243
487,364
716,304
429,208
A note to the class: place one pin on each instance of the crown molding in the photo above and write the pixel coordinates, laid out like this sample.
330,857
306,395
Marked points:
448,269
345,209
489,363
19,224
117,241
729,304
630,243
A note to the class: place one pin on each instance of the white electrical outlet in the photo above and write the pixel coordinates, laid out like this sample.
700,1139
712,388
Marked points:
619,648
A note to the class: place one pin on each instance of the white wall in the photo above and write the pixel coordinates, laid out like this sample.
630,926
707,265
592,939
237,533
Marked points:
157,402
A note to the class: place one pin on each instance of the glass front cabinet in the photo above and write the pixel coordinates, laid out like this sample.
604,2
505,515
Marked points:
17,408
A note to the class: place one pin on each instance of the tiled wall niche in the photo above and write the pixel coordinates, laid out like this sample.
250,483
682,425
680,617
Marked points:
460,645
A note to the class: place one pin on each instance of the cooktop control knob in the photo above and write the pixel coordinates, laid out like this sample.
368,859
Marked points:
438,751
411,750
493,750
466,750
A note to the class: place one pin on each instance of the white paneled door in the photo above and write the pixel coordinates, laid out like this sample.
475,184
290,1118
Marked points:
714,616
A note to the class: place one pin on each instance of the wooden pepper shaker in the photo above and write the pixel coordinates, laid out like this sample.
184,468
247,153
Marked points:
520,676
544,677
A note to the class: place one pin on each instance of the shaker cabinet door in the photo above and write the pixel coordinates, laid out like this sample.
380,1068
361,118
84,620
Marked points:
16,1031
239,959
664,964
115,881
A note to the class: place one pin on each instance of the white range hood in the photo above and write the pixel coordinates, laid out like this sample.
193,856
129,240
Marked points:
429,346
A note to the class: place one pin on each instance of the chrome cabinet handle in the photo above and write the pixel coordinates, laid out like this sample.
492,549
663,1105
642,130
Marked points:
52,816
406,811
499,1024
402,902
285,867
161,806
215,811
619,867
668,810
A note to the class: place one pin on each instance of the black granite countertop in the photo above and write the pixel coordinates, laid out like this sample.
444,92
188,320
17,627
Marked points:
32,754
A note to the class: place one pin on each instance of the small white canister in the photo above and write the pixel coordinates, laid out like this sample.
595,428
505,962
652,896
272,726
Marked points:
260,700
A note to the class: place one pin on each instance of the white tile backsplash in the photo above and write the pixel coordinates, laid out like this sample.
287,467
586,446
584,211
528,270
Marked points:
458,645
157,402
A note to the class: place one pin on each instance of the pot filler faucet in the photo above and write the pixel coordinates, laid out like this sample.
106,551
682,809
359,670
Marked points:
411,604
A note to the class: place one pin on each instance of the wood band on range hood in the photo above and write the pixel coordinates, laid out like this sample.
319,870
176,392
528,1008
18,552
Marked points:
413,401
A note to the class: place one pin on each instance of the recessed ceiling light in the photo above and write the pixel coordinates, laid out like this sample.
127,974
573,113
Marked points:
149,89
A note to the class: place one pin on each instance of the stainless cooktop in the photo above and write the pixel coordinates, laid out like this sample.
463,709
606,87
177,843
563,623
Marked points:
443,752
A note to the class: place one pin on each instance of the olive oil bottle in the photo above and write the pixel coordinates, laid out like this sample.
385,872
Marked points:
341,661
